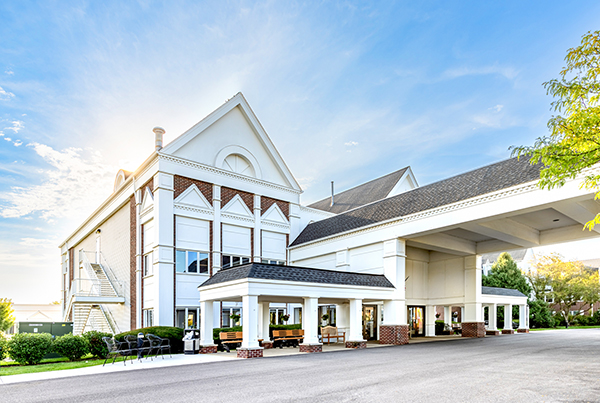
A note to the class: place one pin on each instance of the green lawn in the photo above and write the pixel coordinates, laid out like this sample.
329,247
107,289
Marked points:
562,327
50,364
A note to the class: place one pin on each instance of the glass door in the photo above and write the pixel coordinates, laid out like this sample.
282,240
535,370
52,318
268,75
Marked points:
416,321
370,322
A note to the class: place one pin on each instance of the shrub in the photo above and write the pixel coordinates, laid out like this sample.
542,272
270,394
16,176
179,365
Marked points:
29,348
71,346
97,346
3,346
540,315
174,334
559,320
439,327
583,320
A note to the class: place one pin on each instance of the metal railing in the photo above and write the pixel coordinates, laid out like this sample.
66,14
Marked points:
111,279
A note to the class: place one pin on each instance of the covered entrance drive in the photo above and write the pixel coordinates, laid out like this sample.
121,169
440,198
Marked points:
256,285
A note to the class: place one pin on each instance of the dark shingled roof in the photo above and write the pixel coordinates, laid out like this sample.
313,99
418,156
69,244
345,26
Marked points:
293,273
360,195
509,292
478,182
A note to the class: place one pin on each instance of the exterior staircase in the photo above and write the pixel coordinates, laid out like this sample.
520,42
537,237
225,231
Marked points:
88,317
106,287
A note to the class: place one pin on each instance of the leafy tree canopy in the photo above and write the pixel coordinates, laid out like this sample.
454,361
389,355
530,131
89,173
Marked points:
6,314
506,274
574,141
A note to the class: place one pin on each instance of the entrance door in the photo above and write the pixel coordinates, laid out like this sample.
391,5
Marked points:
416,321
369,322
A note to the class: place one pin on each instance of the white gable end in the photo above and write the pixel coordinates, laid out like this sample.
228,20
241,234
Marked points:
275,215
193,197
237,207
148,200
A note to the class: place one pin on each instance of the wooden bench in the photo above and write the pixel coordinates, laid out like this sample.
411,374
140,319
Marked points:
230,338
331,332
288,337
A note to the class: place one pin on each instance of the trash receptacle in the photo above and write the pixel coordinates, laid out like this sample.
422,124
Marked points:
191,341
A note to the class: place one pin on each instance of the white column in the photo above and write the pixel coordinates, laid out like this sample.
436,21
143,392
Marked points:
394,269
356,308
250,320
257,227
523,317
507,317
462,314
139,194
448,315
216,241
310,318
206,323
342,313
217,314
266,319
430,320
162,253
493,315
472,273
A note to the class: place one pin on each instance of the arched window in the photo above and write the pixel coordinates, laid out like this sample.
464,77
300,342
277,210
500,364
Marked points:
238,164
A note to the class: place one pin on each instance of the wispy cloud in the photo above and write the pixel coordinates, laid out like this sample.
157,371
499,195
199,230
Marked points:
17,126
351,143
5,95
505,71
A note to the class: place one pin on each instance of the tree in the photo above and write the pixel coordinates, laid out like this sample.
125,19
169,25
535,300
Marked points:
506,274
574,141
6,314
569,283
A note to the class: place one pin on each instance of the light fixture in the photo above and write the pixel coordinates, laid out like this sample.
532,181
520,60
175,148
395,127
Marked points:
556,219
98,231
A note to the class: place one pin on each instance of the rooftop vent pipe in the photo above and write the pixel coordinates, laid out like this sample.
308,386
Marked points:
158,132
331,194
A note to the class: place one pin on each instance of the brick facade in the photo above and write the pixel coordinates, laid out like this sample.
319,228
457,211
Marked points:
267,202
522,330
227,194
311,348
473,329
508,331
393,334
250,352
208,349
132,262
492,333
181,183
356,344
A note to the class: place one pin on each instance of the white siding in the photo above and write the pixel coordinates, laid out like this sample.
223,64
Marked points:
319,262
236,240
367,259
446,278
192,234
273,245
148,236
187,288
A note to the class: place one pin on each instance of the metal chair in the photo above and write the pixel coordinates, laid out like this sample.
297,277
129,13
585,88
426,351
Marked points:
116,348
159,344
136,348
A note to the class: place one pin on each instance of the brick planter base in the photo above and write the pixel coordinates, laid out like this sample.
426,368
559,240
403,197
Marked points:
208,349
393,334
311,348
267,344
356,344
508,331
492,333
522,330
250,352
473,329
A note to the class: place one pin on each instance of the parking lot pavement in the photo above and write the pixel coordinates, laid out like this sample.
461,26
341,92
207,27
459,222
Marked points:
550,366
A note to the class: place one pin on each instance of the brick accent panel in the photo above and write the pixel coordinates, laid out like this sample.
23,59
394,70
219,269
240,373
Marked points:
522,330
132,262
228,193
267,344
208,349
492,333
181,183
267,202
356,344
393,334
508,331
473,329
250,352
311,348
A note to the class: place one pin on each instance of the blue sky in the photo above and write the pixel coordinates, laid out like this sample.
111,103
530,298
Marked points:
348,91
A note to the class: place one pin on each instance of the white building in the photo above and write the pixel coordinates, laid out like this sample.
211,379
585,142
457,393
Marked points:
218,208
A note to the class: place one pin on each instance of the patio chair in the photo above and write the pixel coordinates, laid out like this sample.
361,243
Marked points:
116,348
132,342
159,344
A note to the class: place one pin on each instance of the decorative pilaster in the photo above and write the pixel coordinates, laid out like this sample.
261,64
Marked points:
257,253
162,252
216,230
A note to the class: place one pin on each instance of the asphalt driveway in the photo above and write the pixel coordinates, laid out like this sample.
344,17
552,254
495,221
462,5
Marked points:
550,366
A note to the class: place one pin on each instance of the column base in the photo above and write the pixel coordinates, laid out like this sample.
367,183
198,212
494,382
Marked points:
208,349
356,344
393,334
266,344
473,329
253,352
311,348
508,331
522,330
492,332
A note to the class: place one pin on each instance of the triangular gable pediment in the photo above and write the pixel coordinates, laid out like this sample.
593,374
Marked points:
148,200
233,124
193,197
275,215
236,206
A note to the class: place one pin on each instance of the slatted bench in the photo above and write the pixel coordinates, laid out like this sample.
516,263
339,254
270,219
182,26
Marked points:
231,338
288,337
329,333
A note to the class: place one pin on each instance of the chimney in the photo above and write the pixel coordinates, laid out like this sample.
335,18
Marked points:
158,132
331,194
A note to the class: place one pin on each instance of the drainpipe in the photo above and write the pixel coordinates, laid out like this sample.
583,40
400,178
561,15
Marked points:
331,194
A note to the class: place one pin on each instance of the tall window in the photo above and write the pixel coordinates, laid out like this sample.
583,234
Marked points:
187,261
147,264
230,261
148,317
